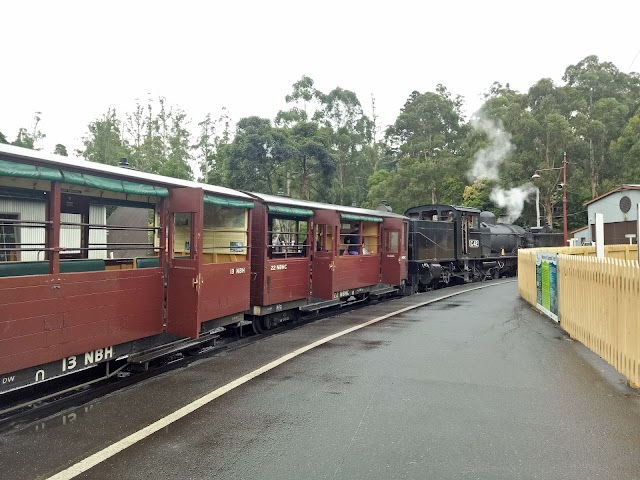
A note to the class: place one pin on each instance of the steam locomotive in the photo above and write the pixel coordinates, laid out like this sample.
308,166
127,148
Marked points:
451,244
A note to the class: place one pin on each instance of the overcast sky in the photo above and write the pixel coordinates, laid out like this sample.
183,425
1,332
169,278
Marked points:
73,60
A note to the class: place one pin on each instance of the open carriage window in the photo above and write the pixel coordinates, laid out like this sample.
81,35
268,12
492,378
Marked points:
324,238
350,238
96,233
287,237
359,238
225,234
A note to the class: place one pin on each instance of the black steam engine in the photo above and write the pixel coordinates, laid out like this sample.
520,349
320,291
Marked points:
449,244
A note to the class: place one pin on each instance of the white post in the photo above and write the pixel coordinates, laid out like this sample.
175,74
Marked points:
538,207
599,235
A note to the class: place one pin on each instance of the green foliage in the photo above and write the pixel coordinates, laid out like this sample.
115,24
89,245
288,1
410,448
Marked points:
60,150
104,142
256,155
210,147
309,160
324,146
29,139
478,194
625,152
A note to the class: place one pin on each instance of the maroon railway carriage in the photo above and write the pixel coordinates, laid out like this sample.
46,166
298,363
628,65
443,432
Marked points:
280,259
358,253
305,256
100,262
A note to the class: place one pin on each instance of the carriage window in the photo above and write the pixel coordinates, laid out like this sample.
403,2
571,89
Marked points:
359,238
324,238
225,234
183,223
391,242
370,238
287,237
350,238
122,232
8,238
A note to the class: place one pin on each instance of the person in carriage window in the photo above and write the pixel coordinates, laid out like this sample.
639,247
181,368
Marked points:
353,240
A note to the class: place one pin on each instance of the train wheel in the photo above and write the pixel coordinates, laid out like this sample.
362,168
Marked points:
266,323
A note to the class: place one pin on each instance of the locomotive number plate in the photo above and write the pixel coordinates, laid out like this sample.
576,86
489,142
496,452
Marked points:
474,243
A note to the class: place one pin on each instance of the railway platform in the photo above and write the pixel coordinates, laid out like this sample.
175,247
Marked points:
472,384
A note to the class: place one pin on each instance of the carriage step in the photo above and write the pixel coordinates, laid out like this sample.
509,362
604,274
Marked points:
155,353
320,305
382,291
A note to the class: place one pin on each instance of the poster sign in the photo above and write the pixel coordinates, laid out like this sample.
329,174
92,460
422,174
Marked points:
547,283
236,247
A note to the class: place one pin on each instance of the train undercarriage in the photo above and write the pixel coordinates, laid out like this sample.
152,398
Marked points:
430,275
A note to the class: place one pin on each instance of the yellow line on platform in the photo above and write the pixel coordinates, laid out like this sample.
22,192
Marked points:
115,448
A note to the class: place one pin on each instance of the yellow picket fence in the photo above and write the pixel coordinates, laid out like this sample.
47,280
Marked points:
599,300
623,252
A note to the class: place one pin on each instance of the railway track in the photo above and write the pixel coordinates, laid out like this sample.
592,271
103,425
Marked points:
32,404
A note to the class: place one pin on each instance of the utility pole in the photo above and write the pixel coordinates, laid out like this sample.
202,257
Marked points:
564,198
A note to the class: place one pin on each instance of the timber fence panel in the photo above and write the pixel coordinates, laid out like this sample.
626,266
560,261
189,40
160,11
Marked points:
600,307
599,300
527,275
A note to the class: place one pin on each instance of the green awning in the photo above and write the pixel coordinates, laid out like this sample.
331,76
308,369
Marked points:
10,169
227,202
19,170
349,216
291,211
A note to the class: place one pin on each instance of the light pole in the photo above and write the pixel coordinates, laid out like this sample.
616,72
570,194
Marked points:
537,207
564,194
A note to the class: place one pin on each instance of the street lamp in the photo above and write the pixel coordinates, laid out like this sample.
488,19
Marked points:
564,194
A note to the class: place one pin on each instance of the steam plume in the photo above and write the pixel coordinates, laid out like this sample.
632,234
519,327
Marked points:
486,164
512,199
487,161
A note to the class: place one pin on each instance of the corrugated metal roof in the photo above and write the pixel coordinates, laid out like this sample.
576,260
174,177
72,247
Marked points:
621,188
12,153
292,202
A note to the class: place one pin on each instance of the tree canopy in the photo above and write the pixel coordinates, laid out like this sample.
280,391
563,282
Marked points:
329,146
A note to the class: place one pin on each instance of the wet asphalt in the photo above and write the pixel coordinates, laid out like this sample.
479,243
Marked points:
477,386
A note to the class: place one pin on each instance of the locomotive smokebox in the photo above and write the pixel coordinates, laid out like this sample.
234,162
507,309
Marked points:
499,237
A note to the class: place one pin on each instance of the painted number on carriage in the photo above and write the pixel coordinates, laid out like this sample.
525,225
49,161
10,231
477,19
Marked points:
88,359
278,267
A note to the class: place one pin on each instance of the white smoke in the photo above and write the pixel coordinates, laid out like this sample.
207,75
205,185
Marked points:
486,164
487,161
512,199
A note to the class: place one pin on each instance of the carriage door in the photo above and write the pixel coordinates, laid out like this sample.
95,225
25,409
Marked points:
324,249
391,257
185,258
